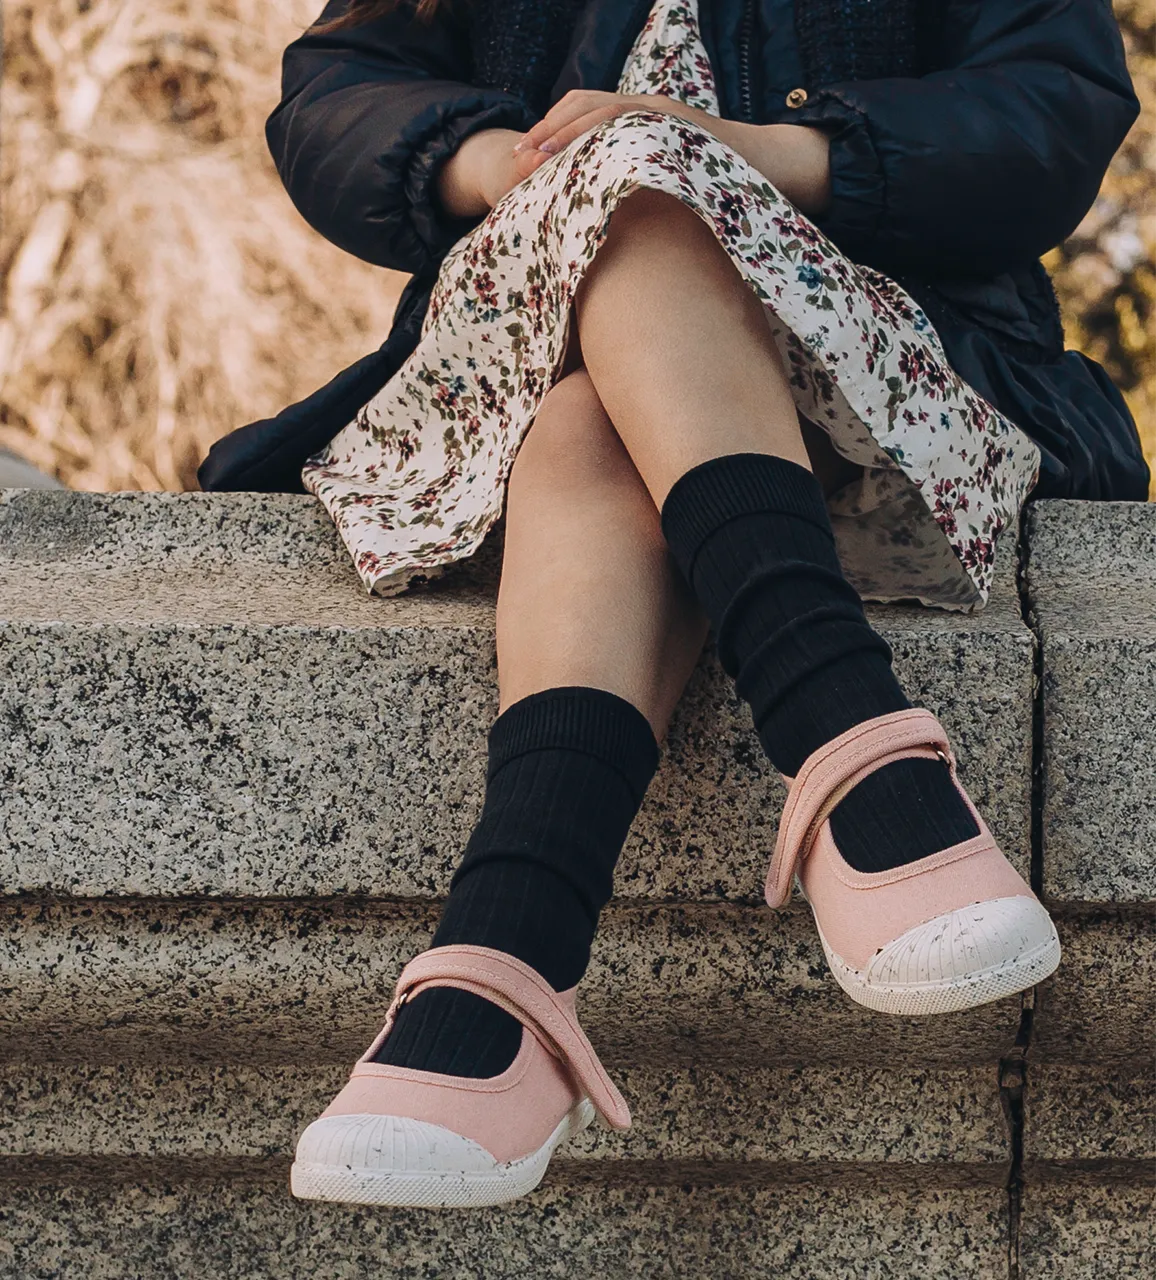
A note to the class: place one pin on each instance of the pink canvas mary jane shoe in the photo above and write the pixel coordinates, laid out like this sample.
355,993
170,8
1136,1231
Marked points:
394,1136
951,931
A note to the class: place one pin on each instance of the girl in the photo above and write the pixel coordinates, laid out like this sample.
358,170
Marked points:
702,291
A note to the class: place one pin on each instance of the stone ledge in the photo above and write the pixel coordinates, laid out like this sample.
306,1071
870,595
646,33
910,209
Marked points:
266,983
1087,1232
1100,1005
758,1120
198,698
1091,583
568,1175
1077,1116
154,1232
181,531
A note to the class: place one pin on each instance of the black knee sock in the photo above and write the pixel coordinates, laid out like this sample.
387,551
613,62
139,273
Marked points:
751,534
567,771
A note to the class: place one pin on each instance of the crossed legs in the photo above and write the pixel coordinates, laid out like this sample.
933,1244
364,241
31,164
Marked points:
665,485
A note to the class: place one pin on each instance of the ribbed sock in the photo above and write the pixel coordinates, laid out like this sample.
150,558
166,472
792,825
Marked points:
752,537
567,770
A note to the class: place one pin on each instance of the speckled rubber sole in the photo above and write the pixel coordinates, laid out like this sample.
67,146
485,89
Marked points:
933,966
433,1187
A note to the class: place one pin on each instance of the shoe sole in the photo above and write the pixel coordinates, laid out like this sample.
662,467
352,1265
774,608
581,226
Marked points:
436,1188
943,989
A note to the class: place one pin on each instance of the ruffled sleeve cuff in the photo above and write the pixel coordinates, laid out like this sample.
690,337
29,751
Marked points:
858,183
435,230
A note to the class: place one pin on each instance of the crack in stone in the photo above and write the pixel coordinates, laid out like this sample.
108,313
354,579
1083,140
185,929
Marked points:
1013,1067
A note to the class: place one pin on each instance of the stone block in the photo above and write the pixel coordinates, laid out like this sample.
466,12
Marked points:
143,1230
1100,1005
1091,582
218,982
1087,1232
1089,1119
196,697
756,1120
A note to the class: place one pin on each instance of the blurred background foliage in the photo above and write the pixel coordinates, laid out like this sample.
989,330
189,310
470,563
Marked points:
157,288
1106,273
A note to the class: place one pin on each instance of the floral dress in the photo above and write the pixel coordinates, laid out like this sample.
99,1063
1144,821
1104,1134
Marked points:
418,478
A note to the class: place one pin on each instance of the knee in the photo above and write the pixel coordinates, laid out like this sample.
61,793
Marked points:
650,232
572,444
654,213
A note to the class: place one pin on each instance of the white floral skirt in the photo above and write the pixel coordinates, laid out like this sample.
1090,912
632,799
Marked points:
418,478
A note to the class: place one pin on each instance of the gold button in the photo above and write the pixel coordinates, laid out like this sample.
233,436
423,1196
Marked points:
796,97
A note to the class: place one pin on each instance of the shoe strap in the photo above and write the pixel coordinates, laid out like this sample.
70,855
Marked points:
504,980
831,772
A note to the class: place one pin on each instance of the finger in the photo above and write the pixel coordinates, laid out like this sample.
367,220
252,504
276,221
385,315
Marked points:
564,137
576,104
526,162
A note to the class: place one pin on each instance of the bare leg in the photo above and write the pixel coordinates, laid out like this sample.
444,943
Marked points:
680,353
679,350
589,593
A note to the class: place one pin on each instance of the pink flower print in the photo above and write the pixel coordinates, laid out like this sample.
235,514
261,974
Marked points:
487,295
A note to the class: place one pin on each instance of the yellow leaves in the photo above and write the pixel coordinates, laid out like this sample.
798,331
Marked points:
1106,273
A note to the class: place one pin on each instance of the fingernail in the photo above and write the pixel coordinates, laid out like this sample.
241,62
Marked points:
549,148
521,143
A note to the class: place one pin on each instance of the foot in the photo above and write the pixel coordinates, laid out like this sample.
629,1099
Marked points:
949,931
405,1138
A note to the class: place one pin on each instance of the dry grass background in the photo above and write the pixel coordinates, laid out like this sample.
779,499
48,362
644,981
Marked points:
157,288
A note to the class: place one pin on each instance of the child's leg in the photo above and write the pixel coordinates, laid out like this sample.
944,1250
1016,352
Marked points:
681,355
589,592
679,347
597,634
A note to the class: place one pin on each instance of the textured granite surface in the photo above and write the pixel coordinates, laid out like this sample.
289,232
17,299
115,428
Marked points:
1089,1115
696,1116
232,1232
181,530
1088,1233
1091,580
197,697
309,983
1100,1005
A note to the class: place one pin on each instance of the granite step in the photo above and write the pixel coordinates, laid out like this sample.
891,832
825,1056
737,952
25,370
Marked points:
150,1228
1090,581
1087,1230
1087,1202
1090,586
204,704
755,1124
235,788
155,980
196,697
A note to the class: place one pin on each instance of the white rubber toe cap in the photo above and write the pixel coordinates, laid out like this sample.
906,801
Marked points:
392,1160
393,1144
964,958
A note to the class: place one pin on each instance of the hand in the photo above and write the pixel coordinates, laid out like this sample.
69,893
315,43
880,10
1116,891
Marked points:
794,157
582,109
481,171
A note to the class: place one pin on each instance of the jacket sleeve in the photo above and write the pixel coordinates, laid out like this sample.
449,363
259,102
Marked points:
366,117
989,162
